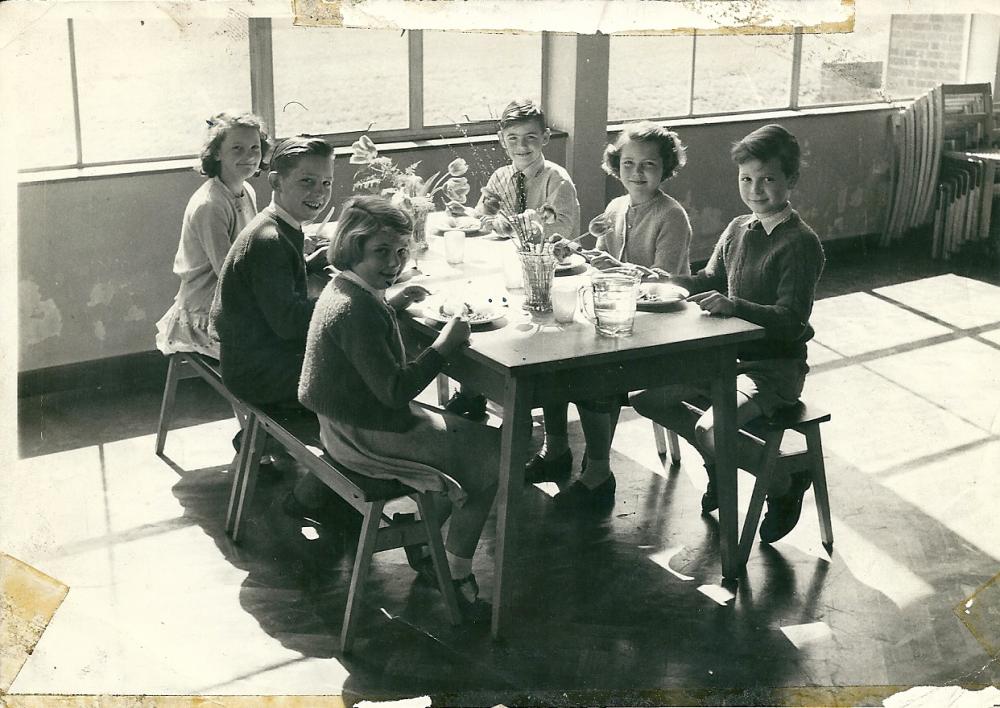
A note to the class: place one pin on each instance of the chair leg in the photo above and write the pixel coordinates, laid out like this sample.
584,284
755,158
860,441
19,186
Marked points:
443,389
764,472
362,563
675,447
167,405
245,477
815,447
428,513
660,438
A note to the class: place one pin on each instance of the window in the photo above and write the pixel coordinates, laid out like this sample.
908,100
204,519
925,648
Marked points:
471,76
742,72
147,86
662,90
43,125
332,80
841,68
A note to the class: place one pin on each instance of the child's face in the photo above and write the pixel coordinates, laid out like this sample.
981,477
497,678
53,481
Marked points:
764,187
383,259
307,187
641,169
523,142
239,154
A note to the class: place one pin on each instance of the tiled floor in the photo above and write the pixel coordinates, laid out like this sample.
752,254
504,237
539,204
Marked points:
622,610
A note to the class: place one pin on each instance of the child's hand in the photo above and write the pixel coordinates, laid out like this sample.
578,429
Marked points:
602,259
714,303
407,296
453,335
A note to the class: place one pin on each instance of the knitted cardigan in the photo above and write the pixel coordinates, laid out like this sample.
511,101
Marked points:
355,369
771,278
262,309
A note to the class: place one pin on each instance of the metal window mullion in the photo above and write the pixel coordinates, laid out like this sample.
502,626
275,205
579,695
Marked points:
694,55
262,71
74,84
415,58
793,97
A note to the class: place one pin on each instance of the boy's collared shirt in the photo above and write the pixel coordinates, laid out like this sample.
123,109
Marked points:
771,221
545,182
280,212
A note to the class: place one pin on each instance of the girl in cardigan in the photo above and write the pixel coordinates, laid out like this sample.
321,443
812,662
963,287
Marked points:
358,380
214,217
764,269
646,227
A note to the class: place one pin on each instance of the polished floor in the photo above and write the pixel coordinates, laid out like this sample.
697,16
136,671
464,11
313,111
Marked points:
621,610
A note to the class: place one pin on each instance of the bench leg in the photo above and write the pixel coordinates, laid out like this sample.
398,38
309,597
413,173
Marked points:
167,405
428,513
675,447
660,438
815,447
666,438
443,389
362,563
245,476
765,470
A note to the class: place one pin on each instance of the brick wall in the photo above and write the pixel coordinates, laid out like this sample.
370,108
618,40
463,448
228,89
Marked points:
924,50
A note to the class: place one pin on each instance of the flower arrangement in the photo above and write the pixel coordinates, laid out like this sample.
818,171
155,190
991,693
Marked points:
403,186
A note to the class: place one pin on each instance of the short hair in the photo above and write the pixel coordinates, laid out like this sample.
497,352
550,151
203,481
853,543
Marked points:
770,142
362,217
219,126
522,110
289,151
672,152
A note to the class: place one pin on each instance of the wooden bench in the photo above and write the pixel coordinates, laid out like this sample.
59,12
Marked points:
366,494
185,365
769,433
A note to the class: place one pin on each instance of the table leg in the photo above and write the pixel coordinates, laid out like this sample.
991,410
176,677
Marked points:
724,414
515,435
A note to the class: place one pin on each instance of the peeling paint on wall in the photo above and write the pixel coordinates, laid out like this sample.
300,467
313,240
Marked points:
39,319
135,314
101,294
99,330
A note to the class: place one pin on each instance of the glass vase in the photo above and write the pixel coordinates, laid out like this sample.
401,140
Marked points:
538,270
419,239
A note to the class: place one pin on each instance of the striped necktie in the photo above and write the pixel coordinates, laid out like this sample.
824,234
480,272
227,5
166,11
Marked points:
522,197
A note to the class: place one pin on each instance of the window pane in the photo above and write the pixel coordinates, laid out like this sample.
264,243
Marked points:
838,68
470,76
332,80
40,77
742,73
148,86
661,93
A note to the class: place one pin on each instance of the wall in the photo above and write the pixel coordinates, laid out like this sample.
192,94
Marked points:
842,190
95,254
924,50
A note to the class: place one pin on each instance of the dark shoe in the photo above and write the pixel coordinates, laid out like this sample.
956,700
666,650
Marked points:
783,512
416,553
540,469
266,459
710,499
474,611
471,407
579,496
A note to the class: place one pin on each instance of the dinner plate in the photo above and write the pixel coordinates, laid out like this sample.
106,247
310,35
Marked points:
573,260
469,224
433,311
660,296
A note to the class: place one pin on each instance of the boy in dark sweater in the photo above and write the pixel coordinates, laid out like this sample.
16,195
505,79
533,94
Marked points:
261,309
764,269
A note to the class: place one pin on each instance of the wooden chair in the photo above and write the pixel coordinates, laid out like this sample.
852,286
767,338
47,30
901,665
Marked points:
366,494
967,111
768,433
187,365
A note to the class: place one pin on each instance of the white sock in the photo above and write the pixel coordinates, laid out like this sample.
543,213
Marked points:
554,446
460,567
597,471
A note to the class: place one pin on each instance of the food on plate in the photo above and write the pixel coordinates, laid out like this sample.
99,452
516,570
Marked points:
464,223
451,308
658,294
456,209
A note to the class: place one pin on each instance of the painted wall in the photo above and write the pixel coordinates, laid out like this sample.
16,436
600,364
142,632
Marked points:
95,255
842,191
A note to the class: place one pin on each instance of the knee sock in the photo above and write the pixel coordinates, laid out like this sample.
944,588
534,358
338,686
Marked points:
597,471
460,567
554,446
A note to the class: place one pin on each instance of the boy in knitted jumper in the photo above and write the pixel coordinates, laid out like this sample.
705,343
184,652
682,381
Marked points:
764,269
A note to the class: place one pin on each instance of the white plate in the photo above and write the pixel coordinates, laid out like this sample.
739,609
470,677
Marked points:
468,224
433,311
573,260
653,296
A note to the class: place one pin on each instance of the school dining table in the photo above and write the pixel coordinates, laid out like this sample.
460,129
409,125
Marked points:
526,360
